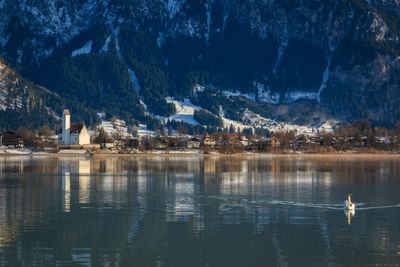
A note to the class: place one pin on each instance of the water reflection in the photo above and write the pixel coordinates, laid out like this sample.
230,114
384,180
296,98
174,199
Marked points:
195,210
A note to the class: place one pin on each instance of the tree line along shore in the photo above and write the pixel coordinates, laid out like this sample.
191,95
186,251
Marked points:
358,137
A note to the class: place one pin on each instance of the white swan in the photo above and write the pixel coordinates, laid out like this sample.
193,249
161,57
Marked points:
348,205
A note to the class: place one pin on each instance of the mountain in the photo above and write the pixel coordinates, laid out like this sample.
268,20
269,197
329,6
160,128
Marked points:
26,104
296,61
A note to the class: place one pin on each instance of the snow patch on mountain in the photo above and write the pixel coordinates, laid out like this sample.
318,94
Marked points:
86,49
281,49
114,32
114,126
106,45
142,130
160,39
184,111
208,12
249,96
134,79
173,7
227,123
224,22
294,96
256,121
265,95
198,89
325,78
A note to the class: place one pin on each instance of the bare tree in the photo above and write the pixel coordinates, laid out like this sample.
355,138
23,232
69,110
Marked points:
182,129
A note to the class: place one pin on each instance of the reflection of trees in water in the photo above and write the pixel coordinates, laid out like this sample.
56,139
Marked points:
127,209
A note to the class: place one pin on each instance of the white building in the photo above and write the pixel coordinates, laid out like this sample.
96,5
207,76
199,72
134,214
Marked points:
72,134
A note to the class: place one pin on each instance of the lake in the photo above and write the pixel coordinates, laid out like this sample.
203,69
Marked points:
189,210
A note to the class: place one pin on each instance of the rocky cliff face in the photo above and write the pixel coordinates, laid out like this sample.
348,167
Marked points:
342,57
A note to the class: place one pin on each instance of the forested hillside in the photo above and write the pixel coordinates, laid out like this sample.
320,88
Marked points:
294,61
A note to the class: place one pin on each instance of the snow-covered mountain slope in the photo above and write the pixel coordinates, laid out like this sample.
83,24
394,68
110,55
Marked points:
185,113
340,56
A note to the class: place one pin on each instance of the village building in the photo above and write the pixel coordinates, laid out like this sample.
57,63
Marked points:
244,141
193,143
108,143
272,142
11,139
72,134
208,141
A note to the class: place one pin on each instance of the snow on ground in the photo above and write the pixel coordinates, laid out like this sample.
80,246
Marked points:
114,127
134,80
143,131
281,49
72,151
114,32
294,96
22,151
105,47
207,34
160,39
184,111
198,89
86,49
325,78
256,120
266,96
327,126
173,7
237,93
132,75
224,23
238,125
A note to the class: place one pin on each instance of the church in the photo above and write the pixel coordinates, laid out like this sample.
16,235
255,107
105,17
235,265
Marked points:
72,134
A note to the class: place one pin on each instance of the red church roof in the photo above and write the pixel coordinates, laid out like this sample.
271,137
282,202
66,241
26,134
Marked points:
75,128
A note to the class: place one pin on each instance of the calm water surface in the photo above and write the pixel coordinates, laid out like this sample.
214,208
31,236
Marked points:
199,211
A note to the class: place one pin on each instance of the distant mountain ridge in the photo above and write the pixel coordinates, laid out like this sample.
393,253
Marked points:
297,61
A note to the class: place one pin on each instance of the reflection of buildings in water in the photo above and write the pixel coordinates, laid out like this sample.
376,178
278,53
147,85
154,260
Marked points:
84,167
233,184
141,184
107,185
112,189
110,165
66,186
181,205
274,166
84,189
244,167
12,164
84,171
209,165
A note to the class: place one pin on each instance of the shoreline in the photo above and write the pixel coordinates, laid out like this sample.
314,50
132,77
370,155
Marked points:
201,154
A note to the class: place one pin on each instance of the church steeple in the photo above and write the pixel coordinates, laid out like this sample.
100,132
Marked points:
66,127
